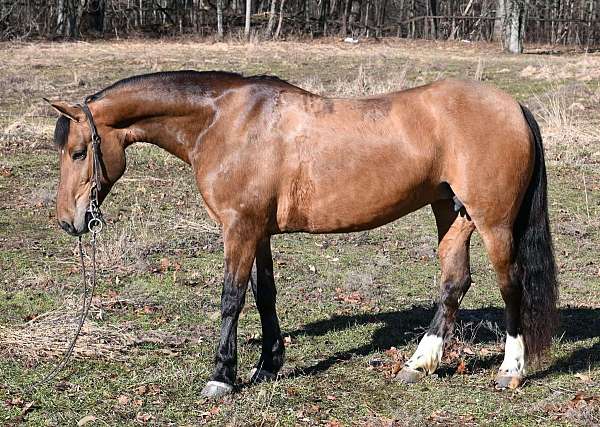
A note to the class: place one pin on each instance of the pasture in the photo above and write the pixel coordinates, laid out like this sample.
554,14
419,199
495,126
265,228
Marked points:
352,306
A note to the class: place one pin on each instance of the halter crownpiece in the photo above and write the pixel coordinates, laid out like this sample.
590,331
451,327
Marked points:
96,223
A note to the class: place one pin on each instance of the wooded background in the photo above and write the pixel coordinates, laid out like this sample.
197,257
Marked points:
508,21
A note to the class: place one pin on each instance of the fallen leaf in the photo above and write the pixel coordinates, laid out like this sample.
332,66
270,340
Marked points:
123,400
143,417
484,352
467,350
582,396
85,420
391,352
461,369
291,391
584,378
331,397
26,408
314,409
148,309
16,401
141,390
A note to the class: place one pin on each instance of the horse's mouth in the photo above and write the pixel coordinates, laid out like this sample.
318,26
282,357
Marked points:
72,230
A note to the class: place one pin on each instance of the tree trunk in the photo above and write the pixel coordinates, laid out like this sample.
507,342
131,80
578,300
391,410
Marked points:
323,16
96,13
248,13
278,32
61,18
515,14
307,15
344,29
381,17
366,17
498,34
433,12
220,19
271,22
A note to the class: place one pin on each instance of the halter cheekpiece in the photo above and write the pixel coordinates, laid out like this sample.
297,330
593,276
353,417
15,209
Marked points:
96,223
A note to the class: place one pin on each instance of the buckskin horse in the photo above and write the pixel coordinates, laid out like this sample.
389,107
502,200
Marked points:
270,158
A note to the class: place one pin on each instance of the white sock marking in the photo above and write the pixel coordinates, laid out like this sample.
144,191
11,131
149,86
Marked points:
514,356
428,355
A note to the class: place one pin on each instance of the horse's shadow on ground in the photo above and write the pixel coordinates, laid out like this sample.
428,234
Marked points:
399,328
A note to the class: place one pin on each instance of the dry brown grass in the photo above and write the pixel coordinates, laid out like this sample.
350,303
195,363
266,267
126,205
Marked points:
49,334
569,123
364,82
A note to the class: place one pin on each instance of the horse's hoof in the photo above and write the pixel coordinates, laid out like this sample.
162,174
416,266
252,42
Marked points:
260,375
216,389
409,376
506,381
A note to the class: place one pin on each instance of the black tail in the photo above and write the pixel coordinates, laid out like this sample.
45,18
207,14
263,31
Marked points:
534,257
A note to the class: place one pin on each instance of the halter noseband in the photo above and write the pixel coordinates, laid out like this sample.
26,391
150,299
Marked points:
96,223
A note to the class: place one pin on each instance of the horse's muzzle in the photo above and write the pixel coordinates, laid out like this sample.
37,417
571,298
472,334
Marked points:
68,227
72,230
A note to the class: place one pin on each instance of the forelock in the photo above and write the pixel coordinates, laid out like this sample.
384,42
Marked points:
61,131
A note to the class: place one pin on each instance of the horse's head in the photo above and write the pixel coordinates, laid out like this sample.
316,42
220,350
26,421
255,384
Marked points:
73,137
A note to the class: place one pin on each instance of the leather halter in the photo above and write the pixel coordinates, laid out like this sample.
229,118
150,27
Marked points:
95,224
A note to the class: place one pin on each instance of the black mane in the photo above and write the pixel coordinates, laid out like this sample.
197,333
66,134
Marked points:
179,77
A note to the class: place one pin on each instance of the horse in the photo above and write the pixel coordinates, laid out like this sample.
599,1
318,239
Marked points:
270,158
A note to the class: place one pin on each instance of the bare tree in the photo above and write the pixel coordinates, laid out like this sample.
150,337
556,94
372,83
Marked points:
220,19
271,22
279,24
514,25
248,14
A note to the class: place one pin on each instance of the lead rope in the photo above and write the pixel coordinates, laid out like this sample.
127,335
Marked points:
87,303
95,226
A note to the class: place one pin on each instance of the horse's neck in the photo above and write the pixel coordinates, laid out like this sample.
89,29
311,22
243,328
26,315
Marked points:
163,124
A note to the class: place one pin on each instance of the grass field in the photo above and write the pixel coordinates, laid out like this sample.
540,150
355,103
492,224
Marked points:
352,306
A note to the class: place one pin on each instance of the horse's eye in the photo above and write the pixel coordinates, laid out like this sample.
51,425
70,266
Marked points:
79,155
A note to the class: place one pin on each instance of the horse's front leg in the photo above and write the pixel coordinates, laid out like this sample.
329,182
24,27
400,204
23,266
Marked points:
263,287
240,247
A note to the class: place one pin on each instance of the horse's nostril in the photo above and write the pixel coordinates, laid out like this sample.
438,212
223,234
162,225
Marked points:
66,226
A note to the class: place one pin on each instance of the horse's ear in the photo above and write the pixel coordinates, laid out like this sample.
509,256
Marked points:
73,112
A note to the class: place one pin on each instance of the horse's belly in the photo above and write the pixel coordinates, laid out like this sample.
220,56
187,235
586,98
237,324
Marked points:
351,202
345,217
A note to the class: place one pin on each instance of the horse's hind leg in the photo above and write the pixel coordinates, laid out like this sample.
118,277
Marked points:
263,287
454,234
500,246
